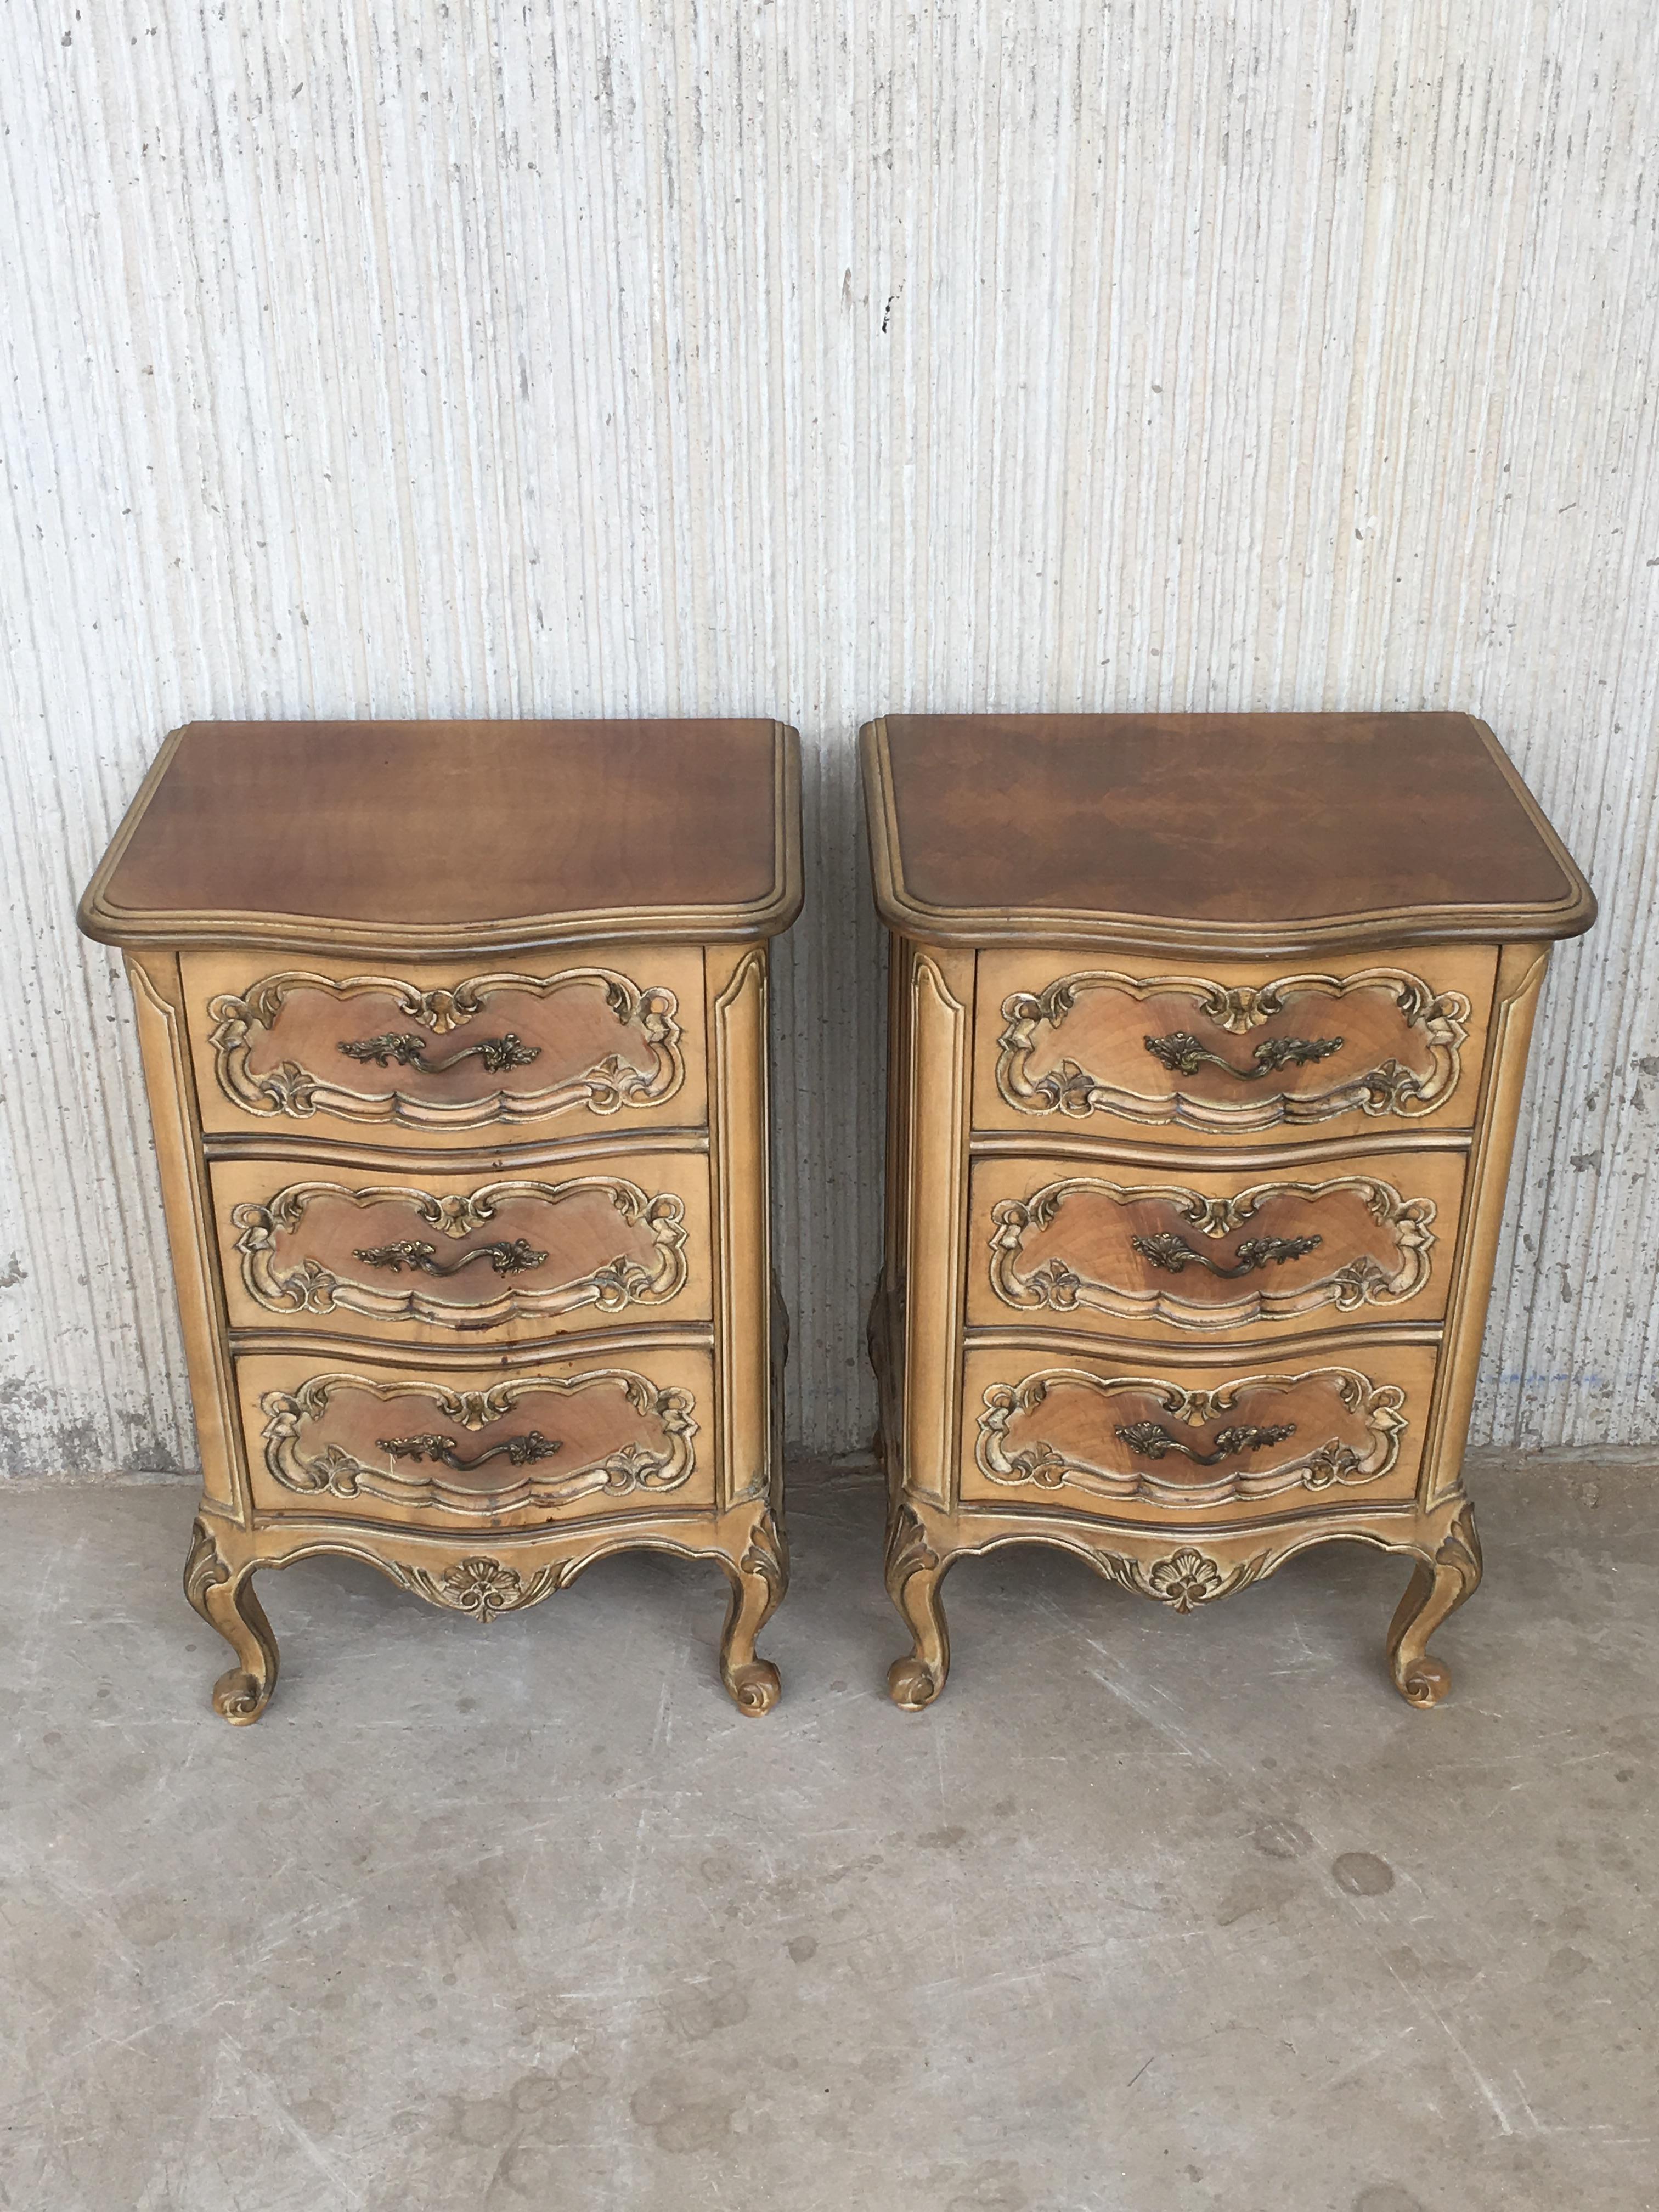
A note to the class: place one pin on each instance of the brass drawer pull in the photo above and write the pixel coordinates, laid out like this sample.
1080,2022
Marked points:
1172,1253
1151,1440
514,1256
521,1451
408,1050
1183,1054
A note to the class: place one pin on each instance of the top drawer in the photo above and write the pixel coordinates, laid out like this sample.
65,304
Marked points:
446,1049
1066,1044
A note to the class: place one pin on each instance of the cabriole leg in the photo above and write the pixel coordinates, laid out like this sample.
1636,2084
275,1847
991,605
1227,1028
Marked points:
758,1582
226,1601
914,1570
1434,1592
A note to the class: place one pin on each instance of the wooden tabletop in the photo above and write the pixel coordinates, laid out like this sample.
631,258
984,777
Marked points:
1221,833
449,836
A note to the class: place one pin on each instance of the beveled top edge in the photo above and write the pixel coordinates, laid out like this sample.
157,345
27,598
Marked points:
904,912
104,918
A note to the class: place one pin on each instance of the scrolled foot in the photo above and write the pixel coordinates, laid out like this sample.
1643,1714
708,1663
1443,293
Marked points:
1425,1684
226,1601
1435,1591
758,1582
240,1698
912,1686
914,1570
756,1688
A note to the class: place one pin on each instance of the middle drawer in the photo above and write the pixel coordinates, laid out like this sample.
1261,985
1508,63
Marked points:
1130,1251
427,1254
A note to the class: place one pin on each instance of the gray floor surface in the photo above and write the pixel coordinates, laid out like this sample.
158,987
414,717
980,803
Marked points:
1148,1913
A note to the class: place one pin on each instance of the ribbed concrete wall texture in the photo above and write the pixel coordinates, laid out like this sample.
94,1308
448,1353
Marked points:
594,357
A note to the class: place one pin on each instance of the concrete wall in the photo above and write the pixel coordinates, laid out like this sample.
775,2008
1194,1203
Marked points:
608,358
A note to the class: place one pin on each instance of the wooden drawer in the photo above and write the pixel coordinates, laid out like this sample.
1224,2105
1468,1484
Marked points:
1124,1251
425,1255
571,1439
1046,1430
1065,1044
447,1049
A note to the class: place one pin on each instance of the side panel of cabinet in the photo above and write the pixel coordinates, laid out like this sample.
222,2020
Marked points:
940,989
740,1121
1520,972
158,996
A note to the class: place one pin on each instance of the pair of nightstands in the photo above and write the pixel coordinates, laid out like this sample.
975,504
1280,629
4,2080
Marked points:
1206,1048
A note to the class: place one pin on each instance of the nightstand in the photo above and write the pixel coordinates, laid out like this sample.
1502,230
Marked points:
1206,1041
455,1037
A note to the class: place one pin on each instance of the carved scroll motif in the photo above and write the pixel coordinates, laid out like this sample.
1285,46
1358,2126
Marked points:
1328,1463
307,1287
333,1471
1059,1288
610,1085
1439,1018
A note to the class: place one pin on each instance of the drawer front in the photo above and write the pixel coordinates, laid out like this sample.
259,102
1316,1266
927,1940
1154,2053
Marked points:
1045,1432
1232,1050
576,1439
446,1050
425,1257
1122,1251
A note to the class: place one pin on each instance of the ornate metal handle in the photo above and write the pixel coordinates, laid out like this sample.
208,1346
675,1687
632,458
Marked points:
408,1050
521,1451
1183,1054
515,1257
1151,1440
1172,1253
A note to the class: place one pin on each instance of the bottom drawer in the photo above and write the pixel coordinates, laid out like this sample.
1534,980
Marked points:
569,1439
1057,1431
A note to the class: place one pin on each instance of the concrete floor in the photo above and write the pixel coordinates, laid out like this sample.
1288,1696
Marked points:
1148,1913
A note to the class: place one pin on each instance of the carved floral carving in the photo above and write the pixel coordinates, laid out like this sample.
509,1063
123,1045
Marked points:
1329,1462
305,1286
1359,1281
481,1588
331,1469
1439,1019
610,1084
1186,1579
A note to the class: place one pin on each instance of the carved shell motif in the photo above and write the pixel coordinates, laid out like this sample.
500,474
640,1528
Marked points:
481,1588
